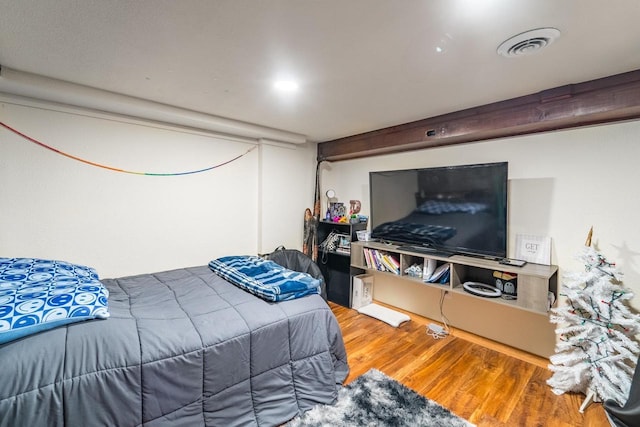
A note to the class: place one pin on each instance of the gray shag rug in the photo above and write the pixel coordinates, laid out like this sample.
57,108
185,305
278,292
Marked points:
374,399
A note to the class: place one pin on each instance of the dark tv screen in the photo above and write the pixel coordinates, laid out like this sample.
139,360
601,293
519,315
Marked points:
454,209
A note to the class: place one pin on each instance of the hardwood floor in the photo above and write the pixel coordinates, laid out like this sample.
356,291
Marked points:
485,382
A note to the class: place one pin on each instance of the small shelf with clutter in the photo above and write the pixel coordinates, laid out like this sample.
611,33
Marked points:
335,235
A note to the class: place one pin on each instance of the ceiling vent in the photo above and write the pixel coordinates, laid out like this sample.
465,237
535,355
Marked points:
528,42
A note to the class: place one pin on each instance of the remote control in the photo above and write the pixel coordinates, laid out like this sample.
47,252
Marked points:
512,262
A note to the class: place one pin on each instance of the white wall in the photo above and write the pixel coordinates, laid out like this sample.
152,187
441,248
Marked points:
287,188
560,184
52,206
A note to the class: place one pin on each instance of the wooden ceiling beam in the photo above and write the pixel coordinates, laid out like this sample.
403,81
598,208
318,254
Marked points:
606,100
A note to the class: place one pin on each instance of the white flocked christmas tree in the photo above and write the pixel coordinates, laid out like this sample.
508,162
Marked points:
596,351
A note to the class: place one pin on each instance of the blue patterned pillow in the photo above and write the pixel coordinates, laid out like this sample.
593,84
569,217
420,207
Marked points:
39,294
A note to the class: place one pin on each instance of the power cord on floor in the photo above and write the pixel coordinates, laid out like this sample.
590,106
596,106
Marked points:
436,331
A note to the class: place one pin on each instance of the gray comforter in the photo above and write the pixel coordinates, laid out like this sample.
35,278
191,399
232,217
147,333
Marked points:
181,348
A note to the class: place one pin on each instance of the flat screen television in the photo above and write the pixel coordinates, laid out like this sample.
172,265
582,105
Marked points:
452,210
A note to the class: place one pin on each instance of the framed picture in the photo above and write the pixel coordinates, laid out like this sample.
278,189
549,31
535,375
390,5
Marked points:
535,249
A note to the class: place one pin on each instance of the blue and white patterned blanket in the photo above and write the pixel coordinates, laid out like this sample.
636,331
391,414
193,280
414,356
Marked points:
39,294
264,278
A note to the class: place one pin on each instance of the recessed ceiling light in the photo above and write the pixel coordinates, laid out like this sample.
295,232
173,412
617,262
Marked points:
286,85
528,42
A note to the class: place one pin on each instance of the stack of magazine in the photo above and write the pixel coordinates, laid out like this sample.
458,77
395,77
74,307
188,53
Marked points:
440,275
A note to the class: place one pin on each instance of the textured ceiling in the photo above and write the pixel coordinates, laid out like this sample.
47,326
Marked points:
361,64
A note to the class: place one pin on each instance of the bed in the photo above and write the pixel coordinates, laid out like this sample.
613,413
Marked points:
182,347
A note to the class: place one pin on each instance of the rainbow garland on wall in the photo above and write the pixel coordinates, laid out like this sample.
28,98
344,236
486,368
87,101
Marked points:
88,162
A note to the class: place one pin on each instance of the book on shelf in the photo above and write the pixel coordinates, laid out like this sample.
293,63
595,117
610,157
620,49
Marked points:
440,275
394,264
375,255
387,263
367,258
381,261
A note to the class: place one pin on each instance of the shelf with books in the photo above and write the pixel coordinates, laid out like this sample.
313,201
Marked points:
534,282
502,319
377,257
381,260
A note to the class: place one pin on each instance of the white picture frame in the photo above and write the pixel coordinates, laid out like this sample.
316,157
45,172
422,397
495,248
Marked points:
534,249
